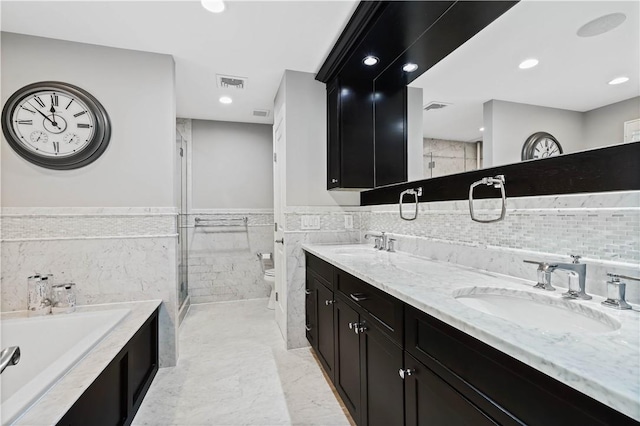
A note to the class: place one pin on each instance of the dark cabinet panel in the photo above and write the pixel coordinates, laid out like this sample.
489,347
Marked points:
382,387
321,268
390,134
430,401
386,310
310,316
350,134
115,396
324,335
347,361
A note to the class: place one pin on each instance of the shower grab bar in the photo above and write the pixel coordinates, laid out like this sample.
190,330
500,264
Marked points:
416,192
497,182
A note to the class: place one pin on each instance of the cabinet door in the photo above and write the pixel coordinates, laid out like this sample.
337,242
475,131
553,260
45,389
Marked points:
310,310
347,360
431,401
333,135
382,386
324,332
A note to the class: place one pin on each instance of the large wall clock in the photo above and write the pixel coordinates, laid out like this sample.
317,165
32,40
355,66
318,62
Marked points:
56,125
540,145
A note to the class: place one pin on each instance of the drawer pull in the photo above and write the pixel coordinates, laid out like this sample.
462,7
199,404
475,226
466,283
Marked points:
358,297
307,327
329,302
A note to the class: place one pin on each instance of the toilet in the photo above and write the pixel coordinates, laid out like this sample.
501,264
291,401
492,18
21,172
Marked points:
269,276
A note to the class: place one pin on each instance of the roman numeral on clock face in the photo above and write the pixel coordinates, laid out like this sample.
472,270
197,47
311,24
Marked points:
79,114
54,100
39,101
29,122
83,126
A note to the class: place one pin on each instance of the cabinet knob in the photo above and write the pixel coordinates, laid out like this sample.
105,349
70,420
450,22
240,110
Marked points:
361,329
334,180
329,302
307,291
405,372
352,325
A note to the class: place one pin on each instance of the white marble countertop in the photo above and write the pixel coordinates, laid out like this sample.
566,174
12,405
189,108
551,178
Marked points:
605,366
54,404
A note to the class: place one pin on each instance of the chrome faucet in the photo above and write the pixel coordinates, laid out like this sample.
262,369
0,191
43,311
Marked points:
579,269
381,241
544,275
9,356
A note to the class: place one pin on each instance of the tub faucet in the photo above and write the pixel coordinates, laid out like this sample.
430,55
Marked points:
9,356
579,269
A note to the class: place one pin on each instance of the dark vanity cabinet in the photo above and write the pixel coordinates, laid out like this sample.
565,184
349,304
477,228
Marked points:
393,364
356,333
116,395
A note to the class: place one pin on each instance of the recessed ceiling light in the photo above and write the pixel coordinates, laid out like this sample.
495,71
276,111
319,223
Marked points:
215,6
602,25
409,67
481,129
225,100
370,60
528,63
619,80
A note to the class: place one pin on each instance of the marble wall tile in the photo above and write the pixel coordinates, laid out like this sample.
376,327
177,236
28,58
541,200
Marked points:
104,270
295,335
223,261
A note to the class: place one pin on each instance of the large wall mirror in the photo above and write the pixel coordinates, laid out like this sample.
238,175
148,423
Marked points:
481,104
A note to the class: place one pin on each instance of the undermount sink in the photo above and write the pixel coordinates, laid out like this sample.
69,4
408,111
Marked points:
356,250
536,310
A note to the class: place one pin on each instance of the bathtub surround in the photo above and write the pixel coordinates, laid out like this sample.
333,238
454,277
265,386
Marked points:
112,254
223,261
54,404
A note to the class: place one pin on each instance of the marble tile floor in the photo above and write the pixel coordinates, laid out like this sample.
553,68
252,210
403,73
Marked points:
234,370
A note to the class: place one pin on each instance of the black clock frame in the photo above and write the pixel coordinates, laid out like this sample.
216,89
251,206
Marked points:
529,145
95,148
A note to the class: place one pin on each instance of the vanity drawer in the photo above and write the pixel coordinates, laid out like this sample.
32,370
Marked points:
321,268
485,375
386,309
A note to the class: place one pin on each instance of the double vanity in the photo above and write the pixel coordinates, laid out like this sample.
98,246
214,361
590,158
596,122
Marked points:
407,340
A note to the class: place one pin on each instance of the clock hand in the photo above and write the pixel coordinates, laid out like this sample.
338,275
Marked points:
53,113
42,114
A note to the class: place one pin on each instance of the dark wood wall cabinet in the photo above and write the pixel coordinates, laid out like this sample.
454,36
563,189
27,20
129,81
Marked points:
115,396
367,105
395,365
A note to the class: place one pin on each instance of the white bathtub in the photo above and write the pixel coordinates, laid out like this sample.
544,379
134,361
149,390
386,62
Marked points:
50,346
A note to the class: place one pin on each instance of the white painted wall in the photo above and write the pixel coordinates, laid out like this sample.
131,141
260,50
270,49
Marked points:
605,126
306,144
137,90
415,154
232,165
509,124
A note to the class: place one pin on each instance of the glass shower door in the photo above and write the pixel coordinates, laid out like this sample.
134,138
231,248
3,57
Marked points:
183,243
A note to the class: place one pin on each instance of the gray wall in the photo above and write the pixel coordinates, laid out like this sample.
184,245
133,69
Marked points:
605,126
232,165
509,124
306,143
136,89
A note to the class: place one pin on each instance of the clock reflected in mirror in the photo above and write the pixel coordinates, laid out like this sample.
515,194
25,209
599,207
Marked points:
56,125
541,145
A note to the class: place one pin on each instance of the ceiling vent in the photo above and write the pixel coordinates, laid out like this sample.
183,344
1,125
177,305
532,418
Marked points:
435,105
261,113
231,82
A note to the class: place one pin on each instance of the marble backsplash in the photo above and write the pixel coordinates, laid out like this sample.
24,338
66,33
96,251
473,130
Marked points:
112,254
223,261
603,228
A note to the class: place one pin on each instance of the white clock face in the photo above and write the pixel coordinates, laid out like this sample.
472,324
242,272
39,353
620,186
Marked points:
546,147
52,123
